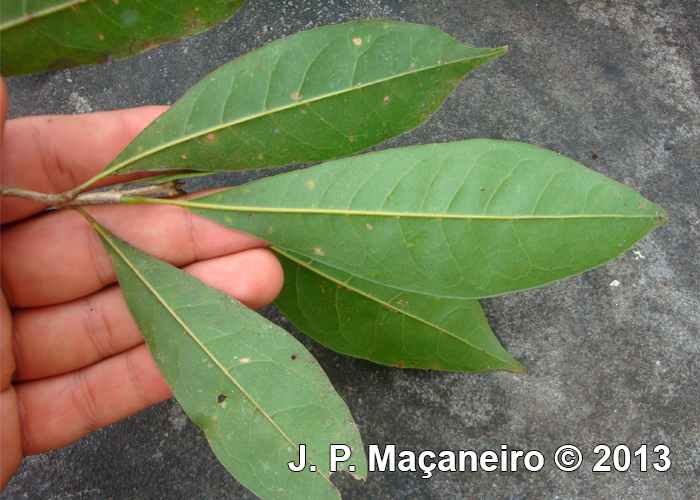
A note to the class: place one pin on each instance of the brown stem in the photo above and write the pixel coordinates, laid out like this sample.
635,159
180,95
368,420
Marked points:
72,198
49,199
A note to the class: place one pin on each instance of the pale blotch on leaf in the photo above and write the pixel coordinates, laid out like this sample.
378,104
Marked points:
357,41
244,360
369,226
295,96
318,251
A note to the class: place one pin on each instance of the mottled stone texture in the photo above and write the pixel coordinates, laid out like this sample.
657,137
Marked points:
613,85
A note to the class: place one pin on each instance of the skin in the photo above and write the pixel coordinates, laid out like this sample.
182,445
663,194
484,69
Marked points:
72,359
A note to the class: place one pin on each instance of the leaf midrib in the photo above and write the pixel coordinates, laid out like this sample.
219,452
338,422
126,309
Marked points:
194,337
26,17
293,105
376,213
388,305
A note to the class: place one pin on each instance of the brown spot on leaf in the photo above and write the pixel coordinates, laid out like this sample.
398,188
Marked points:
311,184
101,36
386,99
210,137
221,398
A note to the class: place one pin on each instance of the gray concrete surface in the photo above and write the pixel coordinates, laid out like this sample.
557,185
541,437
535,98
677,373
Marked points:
613,85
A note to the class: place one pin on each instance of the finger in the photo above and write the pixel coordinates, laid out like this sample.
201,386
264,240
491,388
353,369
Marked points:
52,154
65,337
7,359
59,257
59,410
3,110
10,443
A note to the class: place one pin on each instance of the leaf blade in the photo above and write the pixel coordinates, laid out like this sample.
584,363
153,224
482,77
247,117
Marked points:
385,325
459,220
39,40
247,408
316,95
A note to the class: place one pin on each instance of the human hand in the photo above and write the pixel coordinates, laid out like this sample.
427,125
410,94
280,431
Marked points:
72,359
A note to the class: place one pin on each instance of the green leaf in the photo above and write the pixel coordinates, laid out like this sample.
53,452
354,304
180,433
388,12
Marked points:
468,219
52,34
256,392
316,95
385,325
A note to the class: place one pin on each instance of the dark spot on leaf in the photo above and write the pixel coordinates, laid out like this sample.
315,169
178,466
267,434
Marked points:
386,99
399,365
250,215
294,356
221,398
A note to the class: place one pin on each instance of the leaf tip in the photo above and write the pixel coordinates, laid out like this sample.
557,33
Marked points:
517,367
499,51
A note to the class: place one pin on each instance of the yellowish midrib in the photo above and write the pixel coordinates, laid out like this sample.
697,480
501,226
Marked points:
38,14
373,213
